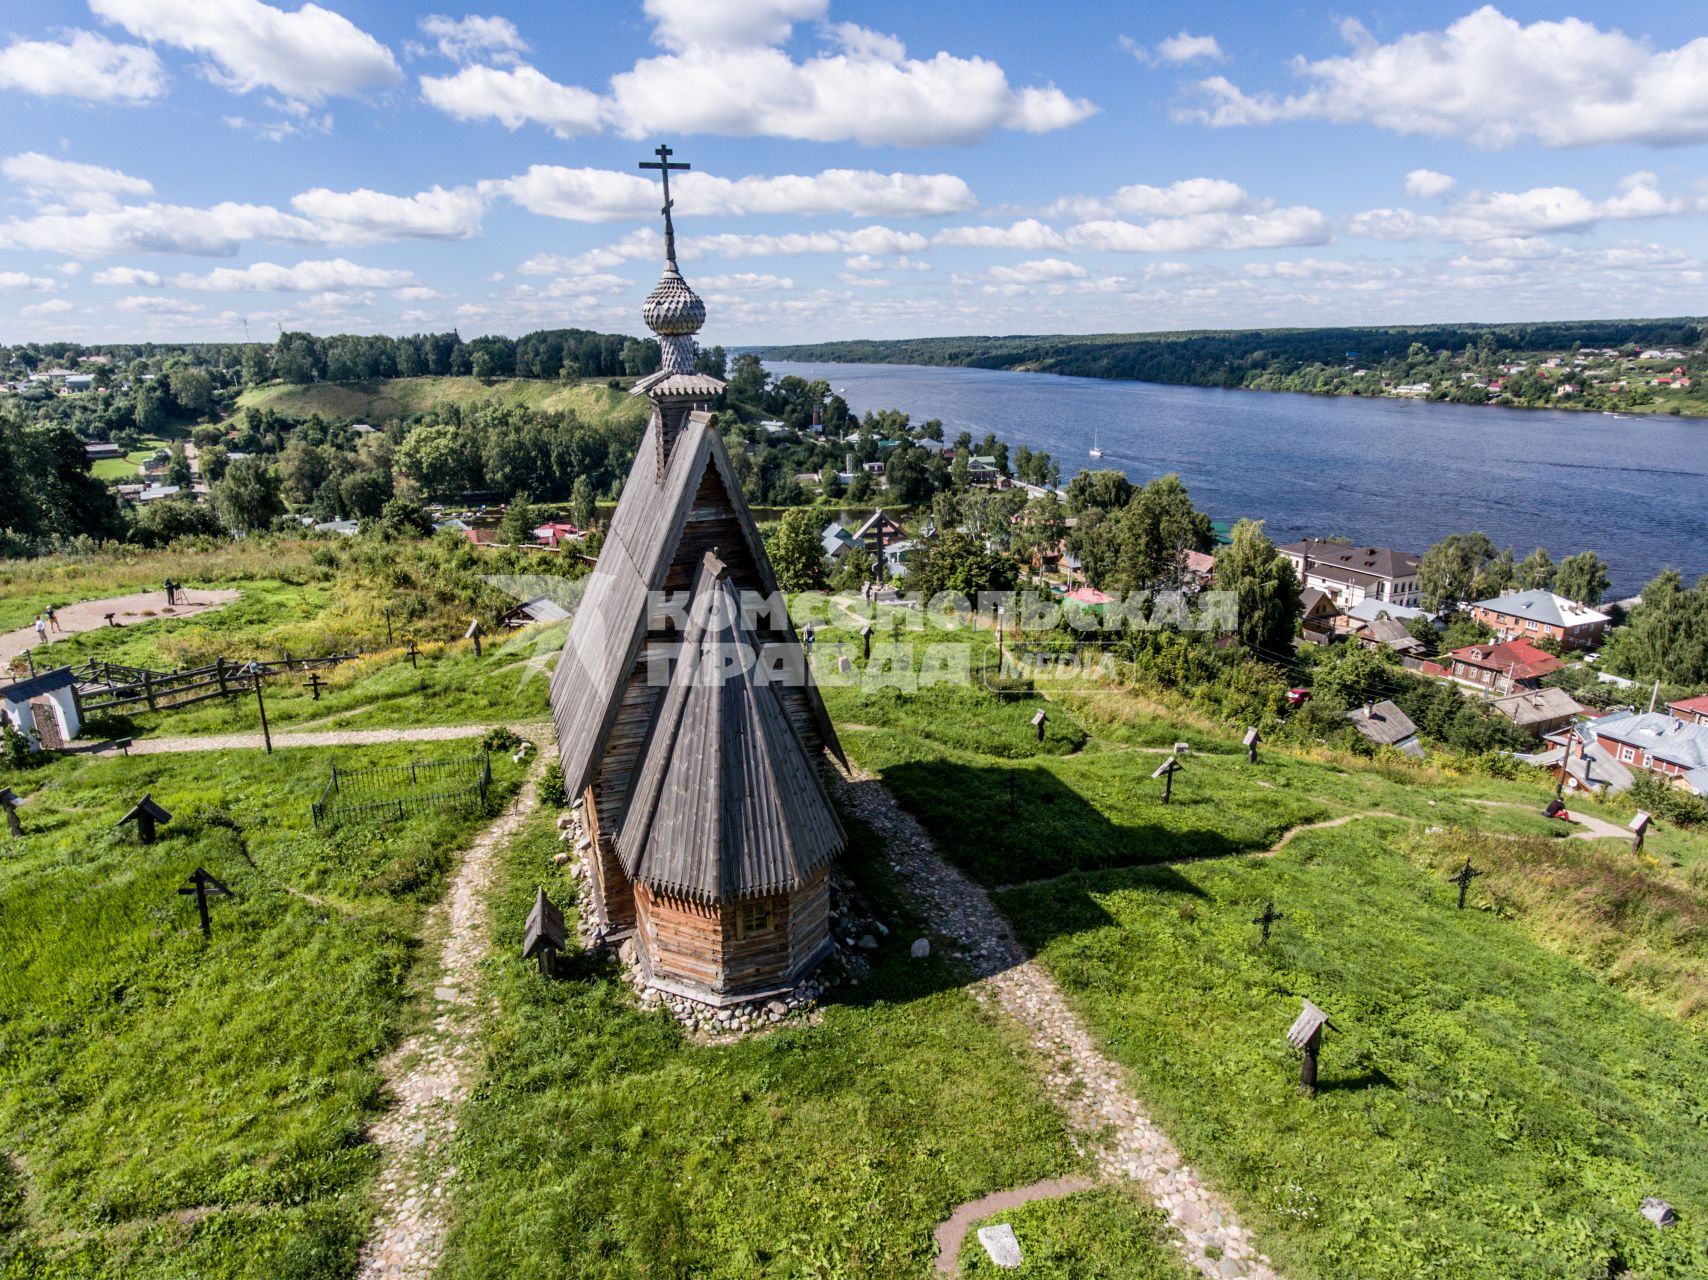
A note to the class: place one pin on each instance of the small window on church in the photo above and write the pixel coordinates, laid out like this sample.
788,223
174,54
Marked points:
753,918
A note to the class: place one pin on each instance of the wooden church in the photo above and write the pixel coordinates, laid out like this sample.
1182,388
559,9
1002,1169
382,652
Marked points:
687,720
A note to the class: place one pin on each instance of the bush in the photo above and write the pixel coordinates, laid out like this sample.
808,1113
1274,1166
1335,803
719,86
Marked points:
1664,800
553,793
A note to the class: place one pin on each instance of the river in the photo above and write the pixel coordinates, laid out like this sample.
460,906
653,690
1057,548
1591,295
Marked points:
1398,473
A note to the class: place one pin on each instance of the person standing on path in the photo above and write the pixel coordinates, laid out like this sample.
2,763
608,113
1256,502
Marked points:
53,619
41,630
171,592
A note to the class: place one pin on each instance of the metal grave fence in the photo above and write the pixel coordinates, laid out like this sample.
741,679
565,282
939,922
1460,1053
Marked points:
395,791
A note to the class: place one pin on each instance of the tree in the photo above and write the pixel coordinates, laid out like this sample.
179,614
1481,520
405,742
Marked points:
400,518
1536,571
1353,674
303,468
440,458
796,553
159,523
906,474
1153,534
1106,490
1448,571
1266,588
517,526
192,389
746,379
248,497
178,469
583,509
1666,636
1495,577
364,493
954,561
1582,578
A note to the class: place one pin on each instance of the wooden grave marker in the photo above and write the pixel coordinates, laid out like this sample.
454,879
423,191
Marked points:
202,884
474,633
1038,722
1306,1035
1270,916
312,684
1638,827
1166,771
1463,877
1250,741
146,814
543,935
9,801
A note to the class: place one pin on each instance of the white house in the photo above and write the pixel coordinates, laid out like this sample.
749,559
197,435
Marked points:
43,708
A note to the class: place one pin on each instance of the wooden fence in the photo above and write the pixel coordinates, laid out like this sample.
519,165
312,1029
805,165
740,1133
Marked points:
128,686
414,787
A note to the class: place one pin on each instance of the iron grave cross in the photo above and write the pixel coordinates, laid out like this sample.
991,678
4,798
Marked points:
1463,877
664,166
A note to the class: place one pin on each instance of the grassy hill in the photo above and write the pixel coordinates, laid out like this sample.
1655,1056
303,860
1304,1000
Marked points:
378,401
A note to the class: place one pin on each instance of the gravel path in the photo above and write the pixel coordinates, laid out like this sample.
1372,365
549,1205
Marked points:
429,1074
950,1234
1593,828
90,615
1089,1088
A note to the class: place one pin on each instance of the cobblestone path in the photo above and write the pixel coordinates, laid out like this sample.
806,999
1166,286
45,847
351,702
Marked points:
429,1074
1090,1089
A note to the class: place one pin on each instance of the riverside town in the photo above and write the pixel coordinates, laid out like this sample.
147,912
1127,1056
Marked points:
802,640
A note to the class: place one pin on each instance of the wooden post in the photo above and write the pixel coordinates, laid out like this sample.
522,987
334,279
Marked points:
148,688
1038,724
261,706
1308,1064
1251,745
219,673
1168,786
9,802
388,640
866,637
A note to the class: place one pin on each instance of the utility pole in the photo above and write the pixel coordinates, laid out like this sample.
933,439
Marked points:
1654,694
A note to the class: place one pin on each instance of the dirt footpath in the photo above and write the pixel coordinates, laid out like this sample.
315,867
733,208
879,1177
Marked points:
126,610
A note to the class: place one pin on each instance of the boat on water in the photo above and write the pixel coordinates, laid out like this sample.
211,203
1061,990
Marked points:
1095,451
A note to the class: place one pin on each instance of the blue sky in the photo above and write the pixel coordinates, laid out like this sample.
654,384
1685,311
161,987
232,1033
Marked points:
181,168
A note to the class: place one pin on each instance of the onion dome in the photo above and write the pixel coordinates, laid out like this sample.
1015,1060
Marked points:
672,309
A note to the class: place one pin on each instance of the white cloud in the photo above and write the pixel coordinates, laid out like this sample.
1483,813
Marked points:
724,71
1027,235
473,36
1277,228
515,97
307,55
1427,184
1500,215
1176,50
745,280
154,304
416,293
603,195
217,231
863,262
84,66
311,276
127,277
862,240
1494,82
363,216
47,180
11,281
1039,271
52,307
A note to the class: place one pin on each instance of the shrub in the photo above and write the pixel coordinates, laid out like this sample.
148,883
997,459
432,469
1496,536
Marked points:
553,793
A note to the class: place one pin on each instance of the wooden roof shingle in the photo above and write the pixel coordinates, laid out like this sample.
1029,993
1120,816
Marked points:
727,804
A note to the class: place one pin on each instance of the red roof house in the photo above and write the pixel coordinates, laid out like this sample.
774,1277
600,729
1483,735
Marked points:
1508,665
1691,710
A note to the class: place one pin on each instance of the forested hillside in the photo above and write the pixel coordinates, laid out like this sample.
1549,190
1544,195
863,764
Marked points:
1344,361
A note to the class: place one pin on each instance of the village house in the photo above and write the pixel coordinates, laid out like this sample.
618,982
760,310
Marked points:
44,708
555,532
1531,615
693,739
1386,725
1663,745
1691,710
1504,667
1539,712
1351,574
1318,615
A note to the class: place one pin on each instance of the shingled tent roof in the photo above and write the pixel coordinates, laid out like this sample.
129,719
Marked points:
611,623
728,803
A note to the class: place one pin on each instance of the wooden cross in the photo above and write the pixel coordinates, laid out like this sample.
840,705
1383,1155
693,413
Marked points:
1463,877
474,633
1270,916
1166,771
664,166
202,884
313,684
411,651
866,638
1038,724
1251,745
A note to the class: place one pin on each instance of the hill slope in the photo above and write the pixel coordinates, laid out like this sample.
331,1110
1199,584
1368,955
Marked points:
379,400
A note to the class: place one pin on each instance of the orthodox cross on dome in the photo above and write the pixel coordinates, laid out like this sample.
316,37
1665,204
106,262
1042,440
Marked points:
664,166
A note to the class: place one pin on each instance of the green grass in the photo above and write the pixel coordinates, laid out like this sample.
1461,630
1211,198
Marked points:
125,468
173,1107
603,1143
1488,1107
591,400
1110,1233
